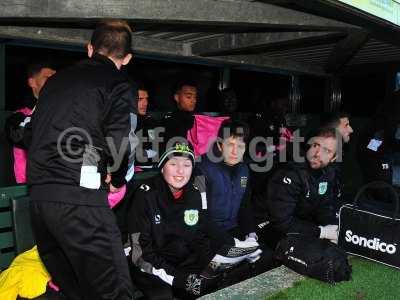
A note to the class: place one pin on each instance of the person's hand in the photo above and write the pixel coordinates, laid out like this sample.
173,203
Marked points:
329,232
197,285
253,257
194,284
113,189
108,178
252,236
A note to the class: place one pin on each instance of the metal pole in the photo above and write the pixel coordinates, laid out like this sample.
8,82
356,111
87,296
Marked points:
2,77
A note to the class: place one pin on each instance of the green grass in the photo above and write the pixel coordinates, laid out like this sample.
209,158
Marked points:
369,281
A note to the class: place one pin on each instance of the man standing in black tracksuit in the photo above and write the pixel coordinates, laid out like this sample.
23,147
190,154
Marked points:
82,116
302,197
172,238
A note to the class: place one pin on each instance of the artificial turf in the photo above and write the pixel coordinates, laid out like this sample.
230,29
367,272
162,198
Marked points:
370,280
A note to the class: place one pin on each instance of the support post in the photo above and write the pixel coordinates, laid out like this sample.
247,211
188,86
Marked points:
2,77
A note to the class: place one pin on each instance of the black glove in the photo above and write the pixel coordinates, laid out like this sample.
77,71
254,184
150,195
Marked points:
193,284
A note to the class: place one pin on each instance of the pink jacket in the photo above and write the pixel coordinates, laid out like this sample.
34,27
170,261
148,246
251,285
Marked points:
20,155
204,132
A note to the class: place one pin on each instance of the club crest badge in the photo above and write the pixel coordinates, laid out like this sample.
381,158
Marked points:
323,187
151,134
243,181
191,217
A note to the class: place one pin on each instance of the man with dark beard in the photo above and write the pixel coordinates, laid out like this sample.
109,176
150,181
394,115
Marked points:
302,196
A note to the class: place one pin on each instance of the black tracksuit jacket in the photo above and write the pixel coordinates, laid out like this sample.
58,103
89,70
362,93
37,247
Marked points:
300,199
93,100
146,126
172,238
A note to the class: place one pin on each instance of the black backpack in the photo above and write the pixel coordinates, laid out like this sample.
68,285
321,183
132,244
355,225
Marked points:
316,258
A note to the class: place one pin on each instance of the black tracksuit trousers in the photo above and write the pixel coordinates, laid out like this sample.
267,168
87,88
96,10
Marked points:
80,245
155,289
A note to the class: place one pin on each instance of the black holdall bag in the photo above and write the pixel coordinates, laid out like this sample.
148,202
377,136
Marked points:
313,257
369,231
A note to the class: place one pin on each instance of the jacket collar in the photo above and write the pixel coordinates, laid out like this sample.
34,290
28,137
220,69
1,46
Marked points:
98,58
316,174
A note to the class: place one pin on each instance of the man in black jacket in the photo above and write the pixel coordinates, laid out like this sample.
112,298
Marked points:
180,121
302,197
147,128
16,125
82,116
340,121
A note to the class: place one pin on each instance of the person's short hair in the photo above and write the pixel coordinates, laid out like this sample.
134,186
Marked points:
141,86
326,132
112,38
228,100
35,67
184,82
234,128
332,120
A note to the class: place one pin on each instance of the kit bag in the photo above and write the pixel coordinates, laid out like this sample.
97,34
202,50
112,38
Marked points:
316,258
368,230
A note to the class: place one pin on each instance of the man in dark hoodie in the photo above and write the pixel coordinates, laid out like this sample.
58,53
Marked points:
302,197
83,115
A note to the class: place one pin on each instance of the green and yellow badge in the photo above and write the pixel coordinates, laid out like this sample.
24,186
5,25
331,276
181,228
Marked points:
182,148
191,217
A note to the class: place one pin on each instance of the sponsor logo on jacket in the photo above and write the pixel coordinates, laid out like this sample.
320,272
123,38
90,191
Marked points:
287,180
374,244
157,219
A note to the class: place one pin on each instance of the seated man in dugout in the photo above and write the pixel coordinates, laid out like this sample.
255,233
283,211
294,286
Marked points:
16,124
145,131
175,246
302,196
178,122
227,180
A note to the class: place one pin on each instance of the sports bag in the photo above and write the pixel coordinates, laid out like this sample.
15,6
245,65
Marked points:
370,230
316,258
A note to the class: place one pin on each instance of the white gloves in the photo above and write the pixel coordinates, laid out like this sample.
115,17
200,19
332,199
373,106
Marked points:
150,153
329,232
252,236
249,242
253,257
